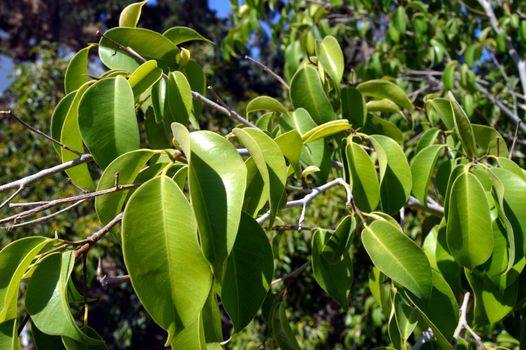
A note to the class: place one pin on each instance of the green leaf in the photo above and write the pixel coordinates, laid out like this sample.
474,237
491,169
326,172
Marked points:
489,141
448,78
130,14
381,126
380,89
422,168
156,133
59,115
383,106
290,144
161,250
215,171
159,100
256,194
442,108
325,130
9,335
428,138
15,259
179,35
469,234
70,136
127,166
463,127
306,91
107,120
72,344
395,174
178,99
340,241
330,56
353,107
146,75
269,161
149,44
281,331
265,103
77,72
333,277
191,338
197,80
514,206
473,53
248,273
400,20
212,322
364,184
46,298
398,257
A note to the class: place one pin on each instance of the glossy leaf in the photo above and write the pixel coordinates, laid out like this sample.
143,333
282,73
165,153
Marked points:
265,103
442,108
334,277
384,106
179,35
380,89
71,344
215,171
77,72
59,115
130,14
489,141
325,130
428,138
469,234
353,107
395,174
178,99
44,341
197,79
339,242
422,168
70,136
147,43
381,126
306,91
330,56
159,100
144,77
107,120
161,250
398,257
256,194
191,338
364,184
15,259
126,167
269,161
281,331
47,301
248,273
463,127
9,335
290,144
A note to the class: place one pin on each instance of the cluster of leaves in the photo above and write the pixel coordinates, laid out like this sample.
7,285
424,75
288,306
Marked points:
199,208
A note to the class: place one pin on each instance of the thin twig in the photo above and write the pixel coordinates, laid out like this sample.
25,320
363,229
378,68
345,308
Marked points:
41,133
10,198
426,336
463,324
94,238
46,205
197,96
432,206
269,71
515,138
47,217
309,198
46,172
291,274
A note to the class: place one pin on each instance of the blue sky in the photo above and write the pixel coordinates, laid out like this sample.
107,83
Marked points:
222,7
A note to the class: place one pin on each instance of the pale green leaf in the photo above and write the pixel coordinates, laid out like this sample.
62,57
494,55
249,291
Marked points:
353,107
364,184
179,35
47,301
291,146
130,14
384,106
325,130
161,250
71,344
463,127
469,233
146,75
422,168
59,115
339,242
398,257
330,56
306,91
107,120
380,89
178,100
265,103
77,71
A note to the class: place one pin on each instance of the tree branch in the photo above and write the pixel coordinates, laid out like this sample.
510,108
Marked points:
46,172
291,274
47,217
269,71
463,324
94,238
